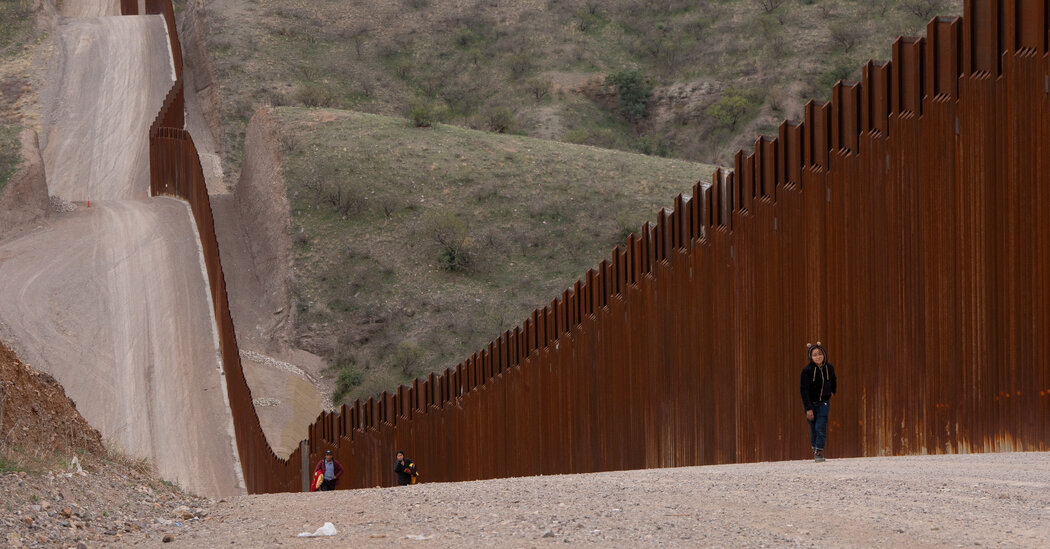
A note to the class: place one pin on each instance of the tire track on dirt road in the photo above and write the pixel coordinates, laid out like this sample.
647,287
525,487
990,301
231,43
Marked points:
112,299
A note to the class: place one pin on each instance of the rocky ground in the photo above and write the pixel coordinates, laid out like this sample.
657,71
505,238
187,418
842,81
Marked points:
1000,500
47,500
109,504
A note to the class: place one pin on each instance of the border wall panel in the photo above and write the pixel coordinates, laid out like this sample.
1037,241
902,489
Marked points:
905,224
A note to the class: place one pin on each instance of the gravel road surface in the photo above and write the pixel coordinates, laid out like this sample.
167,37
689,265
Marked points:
1000,500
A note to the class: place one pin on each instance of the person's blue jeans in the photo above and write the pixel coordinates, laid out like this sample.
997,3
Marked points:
818,427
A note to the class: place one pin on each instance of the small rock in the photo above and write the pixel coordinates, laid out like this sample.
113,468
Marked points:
548,533
66,512
35,508
168,538
183,512
28,521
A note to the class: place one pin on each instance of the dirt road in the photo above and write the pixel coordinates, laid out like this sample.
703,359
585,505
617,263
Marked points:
999,500
95,114
112,302
112,299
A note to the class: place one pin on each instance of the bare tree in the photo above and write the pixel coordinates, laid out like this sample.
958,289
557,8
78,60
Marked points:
769,5
358,33
923,9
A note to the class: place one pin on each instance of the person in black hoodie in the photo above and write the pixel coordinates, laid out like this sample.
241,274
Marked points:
405,469
817,384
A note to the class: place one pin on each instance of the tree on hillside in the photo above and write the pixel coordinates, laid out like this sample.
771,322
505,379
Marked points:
733,107
634,92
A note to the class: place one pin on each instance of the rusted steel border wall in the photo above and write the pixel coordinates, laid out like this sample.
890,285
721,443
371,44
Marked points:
175,170
904,223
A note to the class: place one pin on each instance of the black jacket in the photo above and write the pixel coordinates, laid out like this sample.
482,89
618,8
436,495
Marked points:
404,472
817,384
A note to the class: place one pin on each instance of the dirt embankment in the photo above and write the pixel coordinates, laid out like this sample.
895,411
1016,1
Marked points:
24,199
202,94
252,226
36,417
263,210
109,499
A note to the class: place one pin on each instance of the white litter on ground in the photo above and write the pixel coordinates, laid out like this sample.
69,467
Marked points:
327,530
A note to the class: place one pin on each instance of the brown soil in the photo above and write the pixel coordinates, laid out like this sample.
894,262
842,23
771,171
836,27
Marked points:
55,504
36,417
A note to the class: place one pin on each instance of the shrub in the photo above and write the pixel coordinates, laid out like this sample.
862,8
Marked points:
653,146
347,378
842,67
539,87
421,114
500,119
450,234
316,95
408,358
733,107
634,93
328,188
521,65
769,5
923,9
845,34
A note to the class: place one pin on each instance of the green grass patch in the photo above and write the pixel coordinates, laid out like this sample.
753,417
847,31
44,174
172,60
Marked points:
10,153
16,23
415,247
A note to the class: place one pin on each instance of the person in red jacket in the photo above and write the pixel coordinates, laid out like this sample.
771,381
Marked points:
330,471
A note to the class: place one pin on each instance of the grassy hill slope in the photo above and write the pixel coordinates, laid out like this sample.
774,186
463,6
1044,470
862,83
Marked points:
414,247
719,71
16,29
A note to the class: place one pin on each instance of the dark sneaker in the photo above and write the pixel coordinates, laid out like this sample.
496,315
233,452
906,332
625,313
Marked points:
818,455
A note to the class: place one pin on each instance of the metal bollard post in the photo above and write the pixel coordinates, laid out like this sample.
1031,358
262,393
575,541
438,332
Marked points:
304,451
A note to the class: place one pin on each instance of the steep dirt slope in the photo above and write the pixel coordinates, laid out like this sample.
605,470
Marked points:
95,116
90,8
111,301
36,417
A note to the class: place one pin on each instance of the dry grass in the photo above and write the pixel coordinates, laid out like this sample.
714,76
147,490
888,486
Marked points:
474,61
378,204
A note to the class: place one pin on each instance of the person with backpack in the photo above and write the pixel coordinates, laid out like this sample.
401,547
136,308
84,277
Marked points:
817,384
405,469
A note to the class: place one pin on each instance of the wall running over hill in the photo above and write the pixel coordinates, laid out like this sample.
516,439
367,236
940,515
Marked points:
905,224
